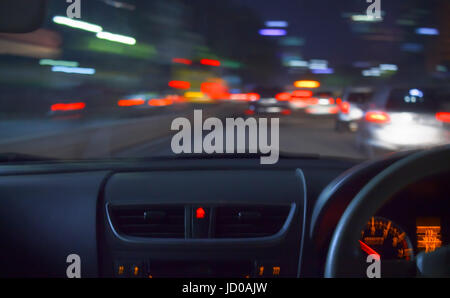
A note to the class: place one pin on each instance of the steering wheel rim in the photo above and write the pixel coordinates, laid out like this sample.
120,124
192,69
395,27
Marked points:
372,197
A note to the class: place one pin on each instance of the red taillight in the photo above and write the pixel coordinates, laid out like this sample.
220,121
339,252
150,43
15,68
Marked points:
283,96
302,93
443,117
333,110
180,84
249,112
345,107
312,101
182,61
377,117
130,102
175,98
210,62
338,101
331,101
286,112
253,96
68,106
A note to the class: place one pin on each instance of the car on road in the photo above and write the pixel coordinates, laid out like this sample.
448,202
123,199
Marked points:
351,108
192,190
272,102
322,103
144,103
401,118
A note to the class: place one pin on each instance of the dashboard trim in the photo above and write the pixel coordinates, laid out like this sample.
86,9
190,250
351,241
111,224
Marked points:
210,242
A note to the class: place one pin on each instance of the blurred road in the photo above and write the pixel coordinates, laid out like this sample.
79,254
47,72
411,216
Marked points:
298,135
109,137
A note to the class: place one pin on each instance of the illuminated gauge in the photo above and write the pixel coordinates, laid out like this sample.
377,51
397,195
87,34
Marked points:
383,237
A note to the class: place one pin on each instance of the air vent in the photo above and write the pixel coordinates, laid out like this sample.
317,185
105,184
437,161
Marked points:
250,221
149,222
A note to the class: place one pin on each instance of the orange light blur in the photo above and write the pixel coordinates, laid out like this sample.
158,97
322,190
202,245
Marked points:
68,106
182,61
215,90
377,117
180,84
307,84
253,96
136,270
210,62
331,101
276,271
283,96
443,116
302,93
130,102
261,270
194,94
156,102
176,98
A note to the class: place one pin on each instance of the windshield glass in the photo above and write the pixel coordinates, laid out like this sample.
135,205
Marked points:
360,98
415,100
122,79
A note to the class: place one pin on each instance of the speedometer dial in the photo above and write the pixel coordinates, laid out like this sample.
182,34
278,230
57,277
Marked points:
383,237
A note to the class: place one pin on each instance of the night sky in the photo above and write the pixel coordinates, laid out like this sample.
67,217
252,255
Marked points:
327,33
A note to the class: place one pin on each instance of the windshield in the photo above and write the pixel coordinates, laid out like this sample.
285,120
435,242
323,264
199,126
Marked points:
128,78
360,98
415,100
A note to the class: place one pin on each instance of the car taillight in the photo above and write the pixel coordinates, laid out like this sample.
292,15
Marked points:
331,101
283,96
253,96
286,112
312,101
345,107
68,106
130,102
249,112
443,117
302,93
377,117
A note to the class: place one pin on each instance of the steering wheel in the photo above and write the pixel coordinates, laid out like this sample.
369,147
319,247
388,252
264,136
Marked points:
342,258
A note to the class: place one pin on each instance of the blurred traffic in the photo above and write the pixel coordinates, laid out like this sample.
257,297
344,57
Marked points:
346,86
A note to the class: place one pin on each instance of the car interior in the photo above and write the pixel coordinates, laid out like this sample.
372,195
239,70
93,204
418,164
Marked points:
219,215
180,217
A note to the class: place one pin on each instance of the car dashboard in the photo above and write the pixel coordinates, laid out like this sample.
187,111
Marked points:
213,217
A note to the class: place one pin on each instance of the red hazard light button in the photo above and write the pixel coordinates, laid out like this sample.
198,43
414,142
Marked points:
200,213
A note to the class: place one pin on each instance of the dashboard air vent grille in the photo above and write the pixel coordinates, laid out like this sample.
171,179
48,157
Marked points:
149,222
250,221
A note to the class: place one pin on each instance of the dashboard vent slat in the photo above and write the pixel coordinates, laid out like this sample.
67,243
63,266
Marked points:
149,221
249,221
